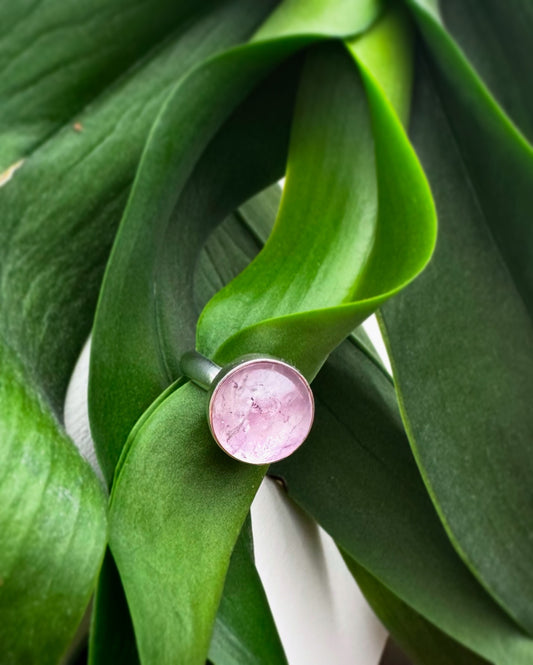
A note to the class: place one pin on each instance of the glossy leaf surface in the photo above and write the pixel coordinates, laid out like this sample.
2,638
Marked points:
59,214
52,518
176,464
462,338
357,477
244,632
56,57
369,264
495,37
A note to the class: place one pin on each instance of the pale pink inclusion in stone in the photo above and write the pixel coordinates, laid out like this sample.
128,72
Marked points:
261,411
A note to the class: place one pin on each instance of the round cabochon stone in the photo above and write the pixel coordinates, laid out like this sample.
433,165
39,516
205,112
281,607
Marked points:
261,411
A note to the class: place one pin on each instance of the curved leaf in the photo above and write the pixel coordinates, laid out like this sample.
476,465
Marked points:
59,213
156,331
422,642
244,632
127,485
173,557
241,123
180,641
53,522
476,121
352,233
477,449
357,477
342,18
100,160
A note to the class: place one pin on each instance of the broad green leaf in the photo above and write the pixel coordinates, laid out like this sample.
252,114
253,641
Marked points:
58,56
352,233
165,226
243,633
59,213
52,519
228,250
502,183
372,403
495,37
357,477
462,337
203,507
241,624
95,169
171,555
421,641
341,18
243,124
190,640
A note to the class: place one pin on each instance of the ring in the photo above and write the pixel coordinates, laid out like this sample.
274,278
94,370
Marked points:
260,408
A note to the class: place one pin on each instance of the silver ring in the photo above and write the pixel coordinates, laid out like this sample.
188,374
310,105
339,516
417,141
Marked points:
260,408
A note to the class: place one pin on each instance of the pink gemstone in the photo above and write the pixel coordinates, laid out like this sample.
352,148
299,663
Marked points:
261,411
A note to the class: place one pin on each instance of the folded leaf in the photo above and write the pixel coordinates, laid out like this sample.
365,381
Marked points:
342,18
355,252
242,123
59,214
135,523
151,265
357,476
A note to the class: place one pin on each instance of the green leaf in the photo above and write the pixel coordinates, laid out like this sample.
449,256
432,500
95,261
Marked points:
352,231
502,183
461,337
244,632
59,214
373,414
341,18
357,477
173,550
169,474
57,57
421,641
95,168
495,37
111,640
52,518
191,640
158,330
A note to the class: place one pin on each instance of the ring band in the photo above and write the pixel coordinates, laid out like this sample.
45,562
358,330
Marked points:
260,408
199,369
